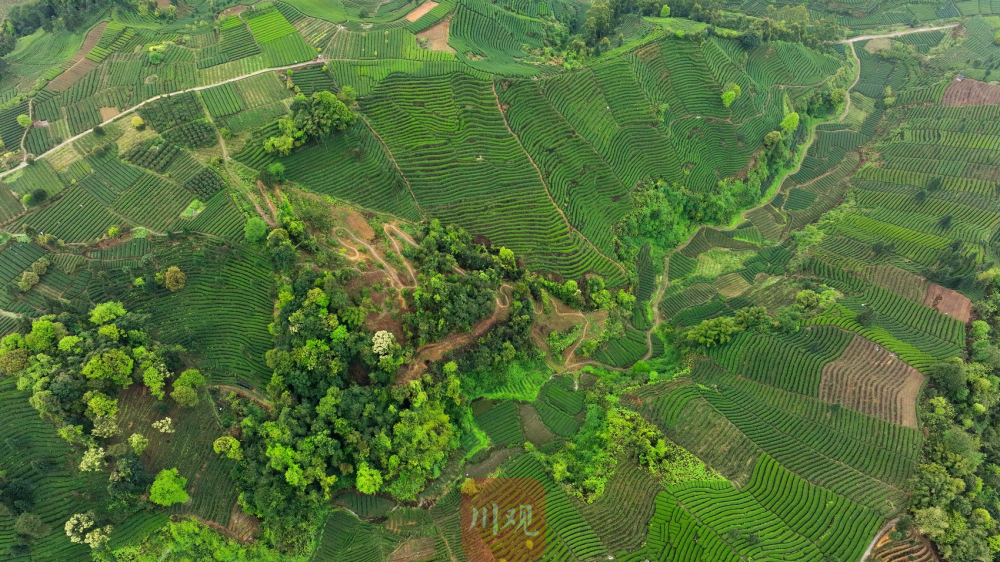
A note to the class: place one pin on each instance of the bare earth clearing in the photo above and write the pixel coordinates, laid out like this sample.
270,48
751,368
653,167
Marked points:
421,10
949,302
970,92
80,65
870,379
108,113
437,36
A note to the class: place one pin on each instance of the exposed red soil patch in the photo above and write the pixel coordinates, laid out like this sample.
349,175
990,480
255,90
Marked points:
109,113
357,223
437,36
110,243
71,76
235,10
870,379
949,302
970,92
244,393
242,525
421,10
80,66
914,548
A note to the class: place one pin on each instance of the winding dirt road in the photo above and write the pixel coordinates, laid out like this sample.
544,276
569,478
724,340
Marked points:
655,303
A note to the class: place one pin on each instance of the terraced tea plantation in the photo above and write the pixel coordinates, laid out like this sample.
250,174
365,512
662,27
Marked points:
308,279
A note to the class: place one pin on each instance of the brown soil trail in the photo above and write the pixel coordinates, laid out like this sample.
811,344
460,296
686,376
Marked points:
571,351
267,199
407,237
343,234
420,10
548,194
569,359
429,353
266,217
244,393
79,65
395,244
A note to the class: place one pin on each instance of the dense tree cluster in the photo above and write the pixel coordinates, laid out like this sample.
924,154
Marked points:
449,297
788,23
312,118
449,254
787,319
662,213
340,419
611,434
190,539
74,367
956,491
332,427
51,15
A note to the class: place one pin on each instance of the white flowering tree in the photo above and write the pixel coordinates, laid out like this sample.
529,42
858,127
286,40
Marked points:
78,525
166,425
93,460
382,342
98,537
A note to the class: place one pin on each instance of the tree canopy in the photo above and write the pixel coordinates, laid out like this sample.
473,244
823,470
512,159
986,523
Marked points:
168,488
312,118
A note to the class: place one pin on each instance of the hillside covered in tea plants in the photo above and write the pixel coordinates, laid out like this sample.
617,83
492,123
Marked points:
306,279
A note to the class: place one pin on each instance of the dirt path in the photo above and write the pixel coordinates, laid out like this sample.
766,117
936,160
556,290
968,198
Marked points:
655,303
568,363
435,351
24,135
236,181
541,178
898,33
395,244
154,98
583,335
394,163
245,393
405,236
871,546
332,37
266,218
390,271
270,204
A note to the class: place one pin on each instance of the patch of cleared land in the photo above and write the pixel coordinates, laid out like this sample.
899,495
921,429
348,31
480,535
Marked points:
421,10
437,36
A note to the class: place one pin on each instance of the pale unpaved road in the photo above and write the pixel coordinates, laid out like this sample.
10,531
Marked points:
655,301
898,33
144,102
320,60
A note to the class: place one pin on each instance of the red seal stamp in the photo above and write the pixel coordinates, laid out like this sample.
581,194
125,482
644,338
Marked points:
503,519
